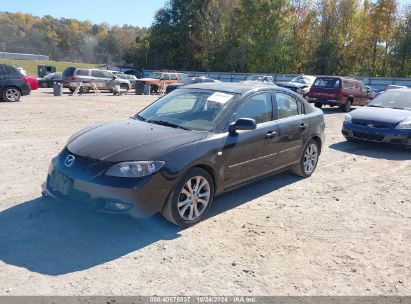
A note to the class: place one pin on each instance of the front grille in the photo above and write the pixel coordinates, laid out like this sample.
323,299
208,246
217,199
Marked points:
369,124
368,136
80,162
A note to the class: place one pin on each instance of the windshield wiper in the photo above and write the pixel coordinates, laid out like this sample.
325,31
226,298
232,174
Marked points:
138,117
167,124
374,106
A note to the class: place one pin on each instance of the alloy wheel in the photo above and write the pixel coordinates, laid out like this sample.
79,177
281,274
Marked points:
194,198
12,94
310,158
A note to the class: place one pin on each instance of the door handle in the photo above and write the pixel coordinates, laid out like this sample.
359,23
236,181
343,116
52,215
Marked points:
303,126
271,134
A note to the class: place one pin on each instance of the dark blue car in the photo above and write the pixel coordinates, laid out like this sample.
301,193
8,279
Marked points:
386,119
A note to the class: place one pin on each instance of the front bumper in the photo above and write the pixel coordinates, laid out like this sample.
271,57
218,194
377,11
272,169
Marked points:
390,136
139,197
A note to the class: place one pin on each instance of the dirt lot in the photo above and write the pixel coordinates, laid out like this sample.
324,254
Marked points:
344,231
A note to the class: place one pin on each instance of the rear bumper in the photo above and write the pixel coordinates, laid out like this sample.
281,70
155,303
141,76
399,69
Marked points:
326,101
386,136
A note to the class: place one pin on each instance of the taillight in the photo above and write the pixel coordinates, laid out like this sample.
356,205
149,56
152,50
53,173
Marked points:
25,79
72,78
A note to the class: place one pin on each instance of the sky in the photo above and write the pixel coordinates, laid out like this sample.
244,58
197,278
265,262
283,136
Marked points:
132,12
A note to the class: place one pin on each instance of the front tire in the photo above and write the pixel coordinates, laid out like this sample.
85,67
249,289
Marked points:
44,85
347,106
11,94
308,161
318,105
190,199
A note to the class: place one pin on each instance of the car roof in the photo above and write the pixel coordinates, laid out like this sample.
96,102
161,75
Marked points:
232,87
339,77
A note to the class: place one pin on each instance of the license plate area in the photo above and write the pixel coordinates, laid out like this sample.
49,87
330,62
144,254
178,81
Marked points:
60,183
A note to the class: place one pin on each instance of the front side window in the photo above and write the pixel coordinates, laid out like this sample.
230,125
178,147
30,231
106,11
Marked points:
199,110
257,107
287,105
173,77
2,72
165,77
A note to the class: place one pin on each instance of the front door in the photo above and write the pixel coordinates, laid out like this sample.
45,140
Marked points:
249,154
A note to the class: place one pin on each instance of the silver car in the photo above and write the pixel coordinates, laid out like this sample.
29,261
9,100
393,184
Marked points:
88,78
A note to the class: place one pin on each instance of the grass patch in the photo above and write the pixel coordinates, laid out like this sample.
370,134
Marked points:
31,65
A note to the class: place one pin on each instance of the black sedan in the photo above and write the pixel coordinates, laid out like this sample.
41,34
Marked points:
187,147
48,80
385,119
187,81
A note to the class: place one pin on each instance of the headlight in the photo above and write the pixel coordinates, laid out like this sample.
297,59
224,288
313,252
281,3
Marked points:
405,124
348,118
135,169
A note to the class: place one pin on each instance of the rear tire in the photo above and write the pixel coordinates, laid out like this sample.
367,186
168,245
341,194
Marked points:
347,106
153,89
11,94
190,200
308,160
44,85
84,89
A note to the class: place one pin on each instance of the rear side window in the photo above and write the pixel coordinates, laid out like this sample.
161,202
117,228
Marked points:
173,77
257,107
68,72
82,72
165,77
329,83
287,105
348,85
11,70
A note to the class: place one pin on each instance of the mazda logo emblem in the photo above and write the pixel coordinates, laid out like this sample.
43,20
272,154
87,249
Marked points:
69,161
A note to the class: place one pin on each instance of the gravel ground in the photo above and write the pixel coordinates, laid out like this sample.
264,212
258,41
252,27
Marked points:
344,231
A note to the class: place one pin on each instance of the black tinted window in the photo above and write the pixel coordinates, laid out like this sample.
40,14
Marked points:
68,72
2,72
257,107
287,105
11,70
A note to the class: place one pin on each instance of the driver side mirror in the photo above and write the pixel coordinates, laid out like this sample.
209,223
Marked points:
242,124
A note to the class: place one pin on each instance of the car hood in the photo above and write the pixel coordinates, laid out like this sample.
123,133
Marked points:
130,140
390,116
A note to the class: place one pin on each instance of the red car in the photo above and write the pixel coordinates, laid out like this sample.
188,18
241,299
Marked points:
339,91
31,81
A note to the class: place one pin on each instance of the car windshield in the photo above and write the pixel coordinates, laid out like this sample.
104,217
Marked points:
329,83
199,110
155,75
395,99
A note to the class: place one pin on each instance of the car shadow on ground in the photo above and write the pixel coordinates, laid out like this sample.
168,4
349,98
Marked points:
334,110
52,238
374,150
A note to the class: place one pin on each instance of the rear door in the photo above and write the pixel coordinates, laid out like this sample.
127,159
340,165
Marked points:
292,128
251,153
